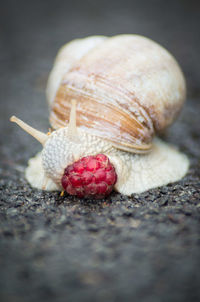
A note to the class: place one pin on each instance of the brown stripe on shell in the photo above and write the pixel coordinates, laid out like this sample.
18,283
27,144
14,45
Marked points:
106,121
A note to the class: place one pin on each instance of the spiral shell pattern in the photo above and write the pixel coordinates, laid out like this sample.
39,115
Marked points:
127,88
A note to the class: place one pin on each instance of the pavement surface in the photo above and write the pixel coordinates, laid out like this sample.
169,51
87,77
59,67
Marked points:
140,248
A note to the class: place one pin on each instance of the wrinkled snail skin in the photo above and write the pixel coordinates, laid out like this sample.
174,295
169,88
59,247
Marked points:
136,172
126,89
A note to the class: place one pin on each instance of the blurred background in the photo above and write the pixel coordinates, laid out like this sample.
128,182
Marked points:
49,246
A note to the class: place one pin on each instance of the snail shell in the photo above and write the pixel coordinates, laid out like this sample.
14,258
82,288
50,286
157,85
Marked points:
127,88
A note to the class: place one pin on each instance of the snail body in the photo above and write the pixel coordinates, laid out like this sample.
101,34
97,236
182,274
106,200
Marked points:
125,89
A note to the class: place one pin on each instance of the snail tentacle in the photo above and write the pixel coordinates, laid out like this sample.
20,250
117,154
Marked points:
72,131
38,135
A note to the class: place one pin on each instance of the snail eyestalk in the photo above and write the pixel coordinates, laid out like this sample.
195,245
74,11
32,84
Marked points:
40,136
72,129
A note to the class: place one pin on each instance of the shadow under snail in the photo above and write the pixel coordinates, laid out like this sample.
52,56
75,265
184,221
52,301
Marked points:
111,96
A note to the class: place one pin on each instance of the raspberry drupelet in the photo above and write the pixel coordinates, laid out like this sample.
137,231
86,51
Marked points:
91,176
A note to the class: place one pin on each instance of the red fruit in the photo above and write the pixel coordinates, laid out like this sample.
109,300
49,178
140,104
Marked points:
91,176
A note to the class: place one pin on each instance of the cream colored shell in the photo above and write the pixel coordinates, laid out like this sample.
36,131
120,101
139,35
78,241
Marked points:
66,57
127,88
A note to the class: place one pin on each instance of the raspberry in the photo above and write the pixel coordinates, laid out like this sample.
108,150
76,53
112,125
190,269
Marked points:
90,176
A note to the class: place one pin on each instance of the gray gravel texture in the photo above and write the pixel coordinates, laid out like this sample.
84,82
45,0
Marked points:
140,248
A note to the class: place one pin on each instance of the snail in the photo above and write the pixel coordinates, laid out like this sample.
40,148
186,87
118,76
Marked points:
111,95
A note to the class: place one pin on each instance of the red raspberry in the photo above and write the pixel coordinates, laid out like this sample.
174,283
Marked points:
90,176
